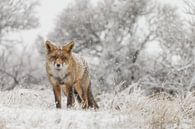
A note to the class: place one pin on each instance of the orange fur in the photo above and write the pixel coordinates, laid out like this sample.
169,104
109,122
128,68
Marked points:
68,71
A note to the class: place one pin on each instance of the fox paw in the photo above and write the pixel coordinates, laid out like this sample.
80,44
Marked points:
85,104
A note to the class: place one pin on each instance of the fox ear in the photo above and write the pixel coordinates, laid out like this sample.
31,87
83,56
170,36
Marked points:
49,46
69,46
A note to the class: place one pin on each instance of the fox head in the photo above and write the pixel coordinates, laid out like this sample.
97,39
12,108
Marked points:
59,57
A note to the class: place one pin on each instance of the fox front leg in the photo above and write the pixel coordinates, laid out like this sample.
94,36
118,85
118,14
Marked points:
70,100
57,95
68,91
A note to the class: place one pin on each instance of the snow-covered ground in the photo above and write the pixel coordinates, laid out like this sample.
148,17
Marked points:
35,109
27,109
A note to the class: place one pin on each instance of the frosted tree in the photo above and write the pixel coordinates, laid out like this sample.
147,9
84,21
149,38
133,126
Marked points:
173,67
80,22
15,15
190,65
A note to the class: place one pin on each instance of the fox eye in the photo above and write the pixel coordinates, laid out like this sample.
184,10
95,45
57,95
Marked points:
64,58
53,57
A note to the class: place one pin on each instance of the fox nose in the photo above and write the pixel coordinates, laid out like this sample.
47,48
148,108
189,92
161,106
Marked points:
58,65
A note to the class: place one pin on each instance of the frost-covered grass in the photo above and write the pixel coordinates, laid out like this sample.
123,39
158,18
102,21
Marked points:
35,109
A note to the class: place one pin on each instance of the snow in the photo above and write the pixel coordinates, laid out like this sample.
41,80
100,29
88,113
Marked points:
22,109
35,109
22,118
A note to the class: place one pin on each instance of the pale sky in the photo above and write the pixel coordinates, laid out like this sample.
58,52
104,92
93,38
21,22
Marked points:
47,13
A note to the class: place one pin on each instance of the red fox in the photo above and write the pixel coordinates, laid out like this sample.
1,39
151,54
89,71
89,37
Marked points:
69,72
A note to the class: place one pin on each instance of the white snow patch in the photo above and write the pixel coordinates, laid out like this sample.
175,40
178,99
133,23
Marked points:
27,109
35,109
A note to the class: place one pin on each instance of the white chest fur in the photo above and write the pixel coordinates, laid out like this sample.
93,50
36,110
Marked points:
59,74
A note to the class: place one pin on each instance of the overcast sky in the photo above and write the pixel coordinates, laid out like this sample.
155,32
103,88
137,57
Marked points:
47,13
